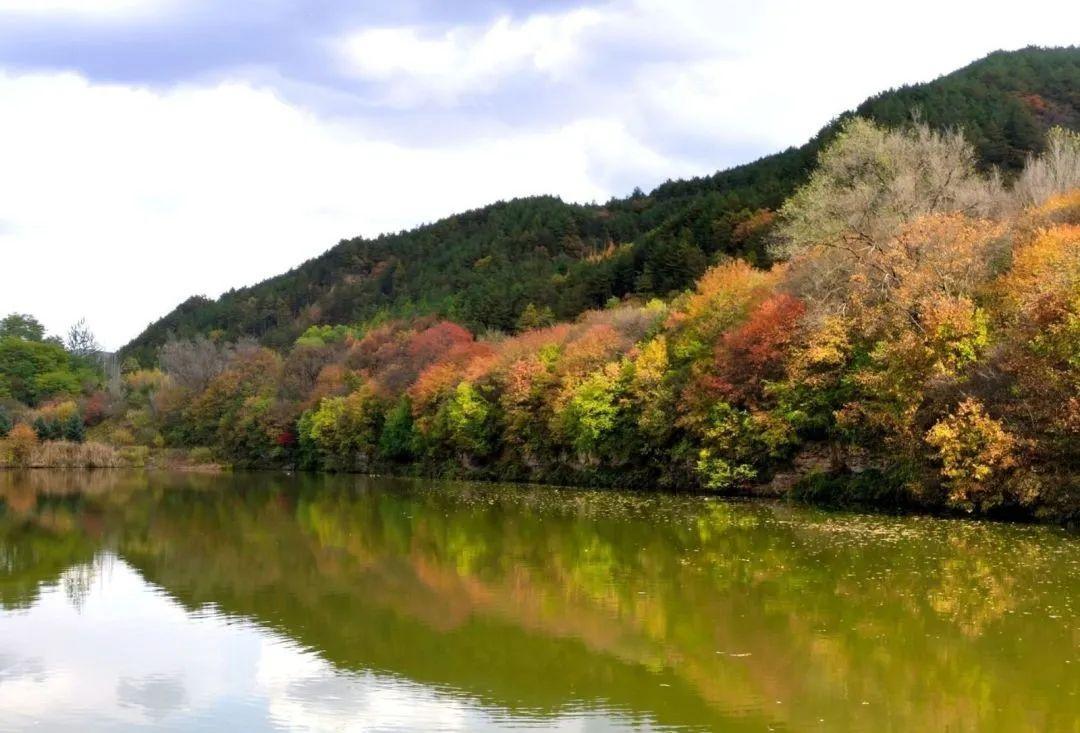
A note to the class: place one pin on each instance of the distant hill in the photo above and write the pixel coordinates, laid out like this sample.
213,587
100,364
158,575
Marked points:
484,268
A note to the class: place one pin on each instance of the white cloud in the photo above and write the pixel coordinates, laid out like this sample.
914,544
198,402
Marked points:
120,202
715,78
775,75
467,59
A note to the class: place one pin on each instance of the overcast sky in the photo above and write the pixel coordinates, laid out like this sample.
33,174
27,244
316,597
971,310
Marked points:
155,149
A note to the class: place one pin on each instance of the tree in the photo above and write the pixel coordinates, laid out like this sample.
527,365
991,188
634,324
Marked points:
73,428
256,433
81,341
650,389
24,365
725,460
129,365
399,437
754,352
192,364
972,448
21,442
346,430
533,317
252,371
21,326
870,181
1056,171
591,414
58,382
467,419
48,428
5,422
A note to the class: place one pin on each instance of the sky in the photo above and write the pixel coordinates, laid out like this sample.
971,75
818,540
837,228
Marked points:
151,150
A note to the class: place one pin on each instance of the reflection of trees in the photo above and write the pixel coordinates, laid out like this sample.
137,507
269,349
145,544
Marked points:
32,559
532,600
38,540
78,580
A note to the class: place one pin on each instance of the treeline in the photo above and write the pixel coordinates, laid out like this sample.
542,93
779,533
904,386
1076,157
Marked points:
491,268
51,389
916,342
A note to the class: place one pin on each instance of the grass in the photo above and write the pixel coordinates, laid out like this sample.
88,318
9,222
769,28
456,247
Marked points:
93,455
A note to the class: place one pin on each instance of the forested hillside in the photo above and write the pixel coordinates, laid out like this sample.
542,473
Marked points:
915,341
530,262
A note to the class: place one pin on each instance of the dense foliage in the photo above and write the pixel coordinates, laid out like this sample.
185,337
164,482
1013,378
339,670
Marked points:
916,342
501,266
50,389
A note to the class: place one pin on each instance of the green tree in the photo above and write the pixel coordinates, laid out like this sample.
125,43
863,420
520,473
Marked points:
346,430
22,362
591,415
73,428
48,428
468,421
21,326
398,441
533,317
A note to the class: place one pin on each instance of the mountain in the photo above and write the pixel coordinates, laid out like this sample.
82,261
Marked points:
485,268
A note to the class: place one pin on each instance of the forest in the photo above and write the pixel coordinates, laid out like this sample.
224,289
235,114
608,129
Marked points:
912,338
500,267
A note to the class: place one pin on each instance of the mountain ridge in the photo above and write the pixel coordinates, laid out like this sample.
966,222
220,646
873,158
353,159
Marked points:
491,266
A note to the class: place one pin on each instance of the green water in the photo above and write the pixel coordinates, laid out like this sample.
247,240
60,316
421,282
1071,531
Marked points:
266,602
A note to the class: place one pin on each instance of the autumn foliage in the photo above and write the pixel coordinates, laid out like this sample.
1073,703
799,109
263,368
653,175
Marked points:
921,336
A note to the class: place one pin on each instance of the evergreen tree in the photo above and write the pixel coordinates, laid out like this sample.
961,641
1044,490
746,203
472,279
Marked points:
74,429
47,428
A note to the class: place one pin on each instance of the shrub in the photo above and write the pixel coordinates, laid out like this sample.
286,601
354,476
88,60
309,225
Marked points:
121,437
201,455
21,443
134,455
973,448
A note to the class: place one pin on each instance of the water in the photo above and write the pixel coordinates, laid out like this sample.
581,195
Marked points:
265,602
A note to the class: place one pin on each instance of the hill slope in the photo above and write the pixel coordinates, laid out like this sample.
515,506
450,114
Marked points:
483,268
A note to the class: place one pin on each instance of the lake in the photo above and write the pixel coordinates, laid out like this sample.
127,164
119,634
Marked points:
254,602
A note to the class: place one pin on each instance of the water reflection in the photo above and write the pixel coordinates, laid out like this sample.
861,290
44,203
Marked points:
270,602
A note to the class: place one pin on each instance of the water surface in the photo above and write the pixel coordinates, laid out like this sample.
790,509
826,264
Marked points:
266,602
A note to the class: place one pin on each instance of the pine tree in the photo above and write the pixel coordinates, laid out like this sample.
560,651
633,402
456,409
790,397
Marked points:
74,429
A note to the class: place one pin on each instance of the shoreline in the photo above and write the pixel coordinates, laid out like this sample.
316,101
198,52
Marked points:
171,464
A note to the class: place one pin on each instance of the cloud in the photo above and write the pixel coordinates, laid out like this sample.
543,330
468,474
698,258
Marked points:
421,67
121,201
694,81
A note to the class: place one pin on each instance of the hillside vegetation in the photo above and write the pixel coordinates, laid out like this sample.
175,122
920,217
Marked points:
917,342
531,261
902,329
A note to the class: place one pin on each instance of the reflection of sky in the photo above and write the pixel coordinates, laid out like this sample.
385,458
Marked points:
123,656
